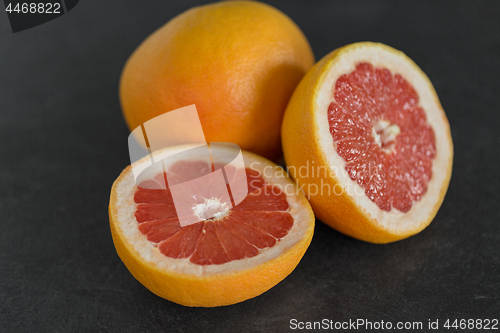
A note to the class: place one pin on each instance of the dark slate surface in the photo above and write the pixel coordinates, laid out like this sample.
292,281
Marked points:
63,142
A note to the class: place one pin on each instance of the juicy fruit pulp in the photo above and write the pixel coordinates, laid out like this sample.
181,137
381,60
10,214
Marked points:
258,222
382,134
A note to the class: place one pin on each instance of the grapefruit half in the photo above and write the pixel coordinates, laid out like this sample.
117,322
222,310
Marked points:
234,256
365,136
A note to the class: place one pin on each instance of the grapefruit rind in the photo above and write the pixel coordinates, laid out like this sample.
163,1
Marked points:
186,283
307,141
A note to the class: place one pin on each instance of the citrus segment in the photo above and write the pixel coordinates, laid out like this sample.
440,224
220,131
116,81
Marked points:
267,198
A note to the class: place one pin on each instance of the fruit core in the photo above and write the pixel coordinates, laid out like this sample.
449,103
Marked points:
381,132
260,221
211,207
385,134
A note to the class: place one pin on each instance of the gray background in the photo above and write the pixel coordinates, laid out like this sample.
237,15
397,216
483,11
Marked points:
63,142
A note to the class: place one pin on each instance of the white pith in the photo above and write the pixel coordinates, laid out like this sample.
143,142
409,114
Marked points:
212,207
397,64
128,226
385,134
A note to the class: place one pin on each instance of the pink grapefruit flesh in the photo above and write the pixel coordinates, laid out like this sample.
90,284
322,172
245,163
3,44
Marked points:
381,132
258,222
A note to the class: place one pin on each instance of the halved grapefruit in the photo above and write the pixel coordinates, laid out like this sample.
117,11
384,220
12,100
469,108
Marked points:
366,138
233,256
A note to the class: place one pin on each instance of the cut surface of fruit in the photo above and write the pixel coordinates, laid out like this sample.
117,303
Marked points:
258,222
233,255
382,134
370,123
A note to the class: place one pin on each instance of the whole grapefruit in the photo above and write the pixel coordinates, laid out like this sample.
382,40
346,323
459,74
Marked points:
237,61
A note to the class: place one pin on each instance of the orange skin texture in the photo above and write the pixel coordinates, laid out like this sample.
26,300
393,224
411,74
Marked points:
214,290
237,61
301,144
